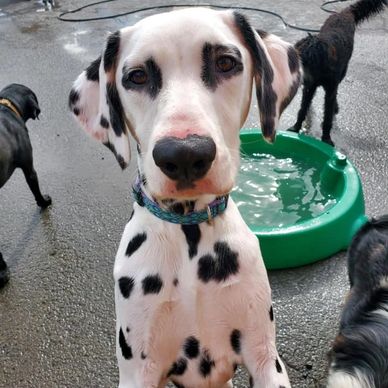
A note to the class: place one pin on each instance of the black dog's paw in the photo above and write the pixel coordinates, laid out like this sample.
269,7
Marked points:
293,129
4,272
46,202
328,140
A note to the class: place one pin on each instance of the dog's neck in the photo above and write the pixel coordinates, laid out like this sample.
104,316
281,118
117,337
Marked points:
6,102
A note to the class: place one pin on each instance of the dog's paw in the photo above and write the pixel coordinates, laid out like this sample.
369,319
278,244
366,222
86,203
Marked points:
328,140
46,202
293,129
4,272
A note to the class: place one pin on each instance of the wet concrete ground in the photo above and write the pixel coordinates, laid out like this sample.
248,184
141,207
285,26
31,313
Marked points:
57,313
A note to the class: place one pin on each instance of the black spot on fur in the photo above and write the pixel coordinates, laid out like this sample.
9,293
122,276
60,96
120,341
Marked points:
76,111
291,94
175,282
210,75
218,268
278,366
135,243
111,147
128,329
271,317
152,284
154,82
143,180
73,97
92,71
206,365
191,347
235,341
193,235
126,350
293,60
104,122
178,367
116,110
111,51
178,385
263,34
121,161
207,74
126,286
119,158
155,75
143,356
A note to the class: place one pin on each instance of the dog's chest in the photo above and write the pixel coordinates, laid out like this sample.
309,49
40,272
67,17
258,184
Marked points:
180,294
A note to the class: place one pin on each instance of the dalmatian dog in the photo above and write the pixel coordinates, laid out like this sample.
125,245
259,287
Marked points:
192,295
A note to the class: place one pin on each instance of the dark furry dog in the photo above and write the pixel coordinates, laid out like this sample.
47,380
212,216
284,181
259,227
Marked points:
359,357
325,58
17,105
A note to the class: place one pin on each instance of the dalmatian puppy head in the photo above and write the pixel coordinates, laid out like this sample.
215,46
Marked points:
179,84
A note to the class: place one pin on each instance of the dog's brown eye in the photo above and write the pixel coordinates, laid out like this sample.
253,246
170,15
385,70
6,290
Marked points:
138,77
225,63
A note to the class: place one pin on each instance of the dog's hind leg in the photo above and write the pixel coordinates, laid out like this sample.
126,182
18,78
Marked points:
330,103
307,97
32,180
4,272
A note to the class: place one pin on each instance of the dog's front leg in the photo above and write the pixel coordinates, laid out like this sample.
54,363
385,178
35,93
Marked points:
268,372
32,180
260,355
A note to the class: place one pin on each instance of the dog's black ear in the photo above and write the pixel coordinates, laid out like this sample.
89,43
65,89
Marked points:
32,109
276,71
96,104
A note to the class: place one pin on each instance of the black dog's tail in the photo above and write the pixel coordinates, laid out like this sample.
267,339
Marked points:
364,9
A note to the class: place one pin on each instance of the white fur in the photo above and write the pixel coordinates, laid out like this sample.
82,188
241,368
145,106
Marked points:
384,282
342,379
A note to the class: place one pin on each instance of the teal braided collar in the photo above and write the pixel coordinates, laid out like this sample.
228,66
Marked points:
212,210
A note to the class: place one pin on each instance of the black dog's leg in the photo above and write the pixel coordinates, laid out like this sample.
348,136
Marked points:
4,272
32,179
308,95
336,107
330,102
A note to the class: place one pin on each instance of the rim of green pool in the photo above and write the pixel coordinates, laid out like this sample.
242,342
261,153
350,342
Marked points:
327,233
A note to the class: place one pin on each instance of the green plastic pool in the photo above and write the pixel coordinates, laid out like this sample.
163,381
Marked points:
301,198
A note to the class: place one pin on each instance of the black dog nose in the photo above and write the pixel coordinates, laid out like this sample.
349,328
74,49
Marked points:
185,160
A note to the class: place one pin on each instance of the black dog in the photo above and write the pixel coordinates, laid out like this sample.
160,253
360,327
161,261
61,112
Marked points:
359,357
17,104
325,58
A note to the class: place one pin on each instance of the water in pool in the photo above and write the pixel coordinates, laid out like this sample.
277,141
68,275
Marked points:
279,191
